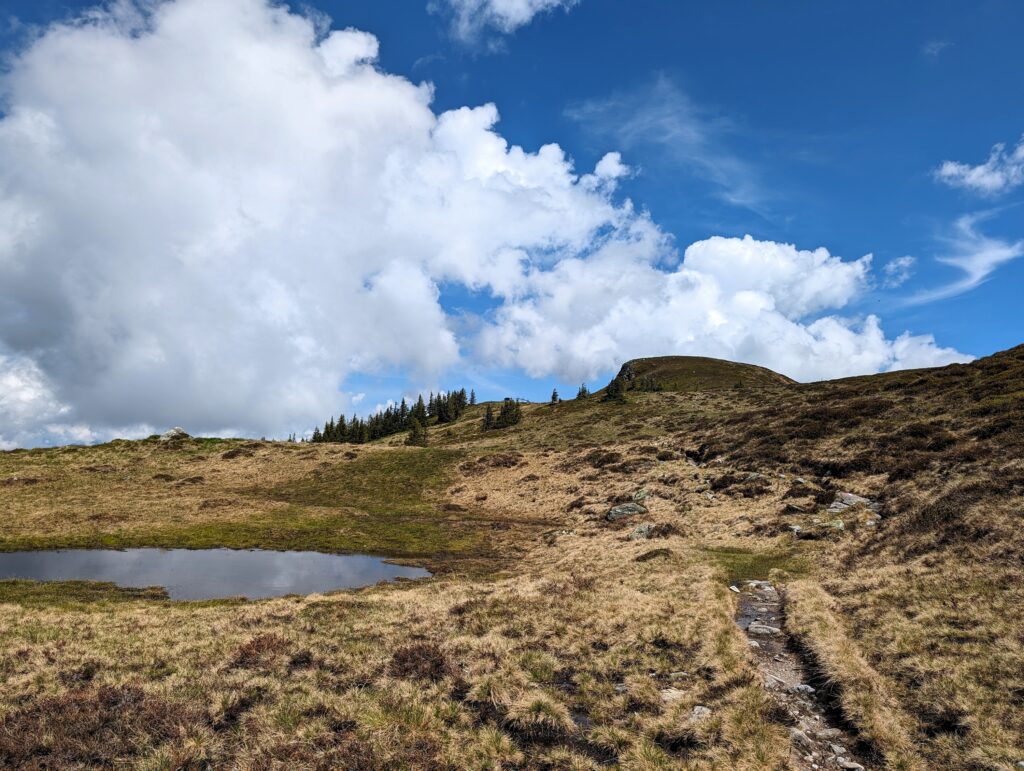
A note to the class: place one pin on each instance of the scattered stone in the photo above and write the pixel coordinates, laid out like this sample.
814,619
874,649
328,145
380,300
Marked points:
753,476
837,749
801,739
176,434
625,510
846,501
678,675
754,644
793,508
764,630
849,765
734,589
642,532
802,688
654,554
641,495
622,688
827,733
700,713
671,695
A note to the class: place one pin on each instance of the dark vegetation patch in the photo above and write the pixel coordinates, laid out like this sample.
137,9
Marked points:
421,661
105,727
259,651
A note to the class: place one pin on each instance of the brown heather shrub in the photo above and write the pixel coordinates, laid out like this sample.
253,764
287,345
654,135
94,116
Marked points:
255,653
91,728
421,661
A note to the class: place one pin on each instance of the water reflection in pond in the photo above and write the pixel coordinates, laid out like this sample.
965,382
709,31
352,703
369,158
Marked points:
192,574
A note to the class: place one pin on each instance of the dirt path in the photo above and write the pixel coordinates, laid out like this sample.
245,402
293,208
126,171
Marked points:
818,741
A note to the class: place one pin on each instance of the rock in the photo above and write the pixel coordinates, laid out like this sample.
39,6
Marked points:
678,675
654,554
671,695
753,476
763,630
176,434
849,765
625,510
754,644
734,589
846,501
802,688
642,532
700,713
837,749
801,739
792,508
621,688
827,733
641,495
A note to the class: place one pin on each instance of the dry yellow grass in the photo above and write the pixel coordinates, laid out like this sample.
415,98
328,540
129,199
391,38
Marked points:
543,642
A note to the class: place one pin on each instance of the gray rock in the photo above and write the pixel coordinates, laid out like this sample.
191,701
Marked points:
700,713
753,476
625,510
837,749
754,644
175,434
621,688
802,688
827,733
846,501
763,630
642,532
678,675
849,765
641,495
801,739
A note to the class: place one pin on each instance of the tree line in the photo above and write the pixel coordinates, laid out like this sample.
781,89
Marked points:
437,408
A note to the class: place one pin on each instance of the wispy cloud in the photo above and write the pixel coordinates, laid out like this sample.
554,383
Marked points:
1001,173
933,48
662,115
473,19
974,253
898,271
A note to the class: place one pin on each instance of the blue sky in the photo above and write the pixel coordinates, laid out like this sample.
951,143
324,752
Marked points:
818,125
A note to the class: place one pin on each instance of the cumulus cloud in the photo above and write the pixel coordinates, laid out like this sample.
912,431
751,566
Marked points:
1001,173
472,18
732,298
212,212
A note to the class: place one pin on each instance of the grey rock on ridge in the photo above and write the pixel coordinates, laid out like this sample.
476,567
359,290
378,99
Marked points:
625,510
174,434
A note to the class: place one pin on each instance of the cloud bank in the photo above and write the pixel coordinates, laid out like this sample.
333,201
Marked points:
212,212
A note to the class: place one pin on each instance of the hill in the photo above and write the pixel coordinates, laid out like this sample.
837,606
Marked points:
695,373
581,614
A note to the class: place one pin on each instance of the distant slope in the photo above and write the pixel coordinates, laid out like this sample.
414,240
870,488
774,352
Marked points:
696,373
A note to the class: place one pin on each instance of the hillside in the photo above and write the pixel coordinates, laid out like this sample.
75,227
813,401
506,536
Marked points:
581,614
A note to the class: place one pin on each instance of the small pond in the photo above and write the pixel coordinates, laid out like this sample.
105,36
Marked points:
205,574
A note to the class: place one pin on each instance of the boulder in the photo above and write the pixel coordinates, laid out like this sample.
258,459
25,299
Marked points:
763,630
625,510
846,501
700,713
176,434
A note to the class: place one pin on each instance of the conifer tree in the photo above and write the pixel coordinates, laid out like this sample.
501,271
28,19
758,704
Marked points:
615,391
488,418
584,392
417,434
554,396
472,397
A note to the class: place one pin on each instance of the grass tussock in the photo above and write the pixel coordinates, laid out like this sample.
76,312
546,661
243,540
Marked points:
863,695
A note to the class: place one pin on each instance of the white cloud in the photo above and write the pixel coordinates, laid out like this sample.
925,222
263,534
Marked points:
898,271
738,299
472,18
973,253
933,48
1001,173
661,115
212,213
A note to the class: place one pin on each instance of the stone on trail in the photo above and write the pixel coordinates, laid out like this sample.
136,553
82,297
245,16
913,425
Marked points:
625,510
802,688
175,434
764,630
734,589
801,739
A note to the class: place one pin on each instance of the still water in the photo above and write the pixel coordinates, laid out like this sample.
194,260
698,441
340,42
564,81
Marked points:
194,574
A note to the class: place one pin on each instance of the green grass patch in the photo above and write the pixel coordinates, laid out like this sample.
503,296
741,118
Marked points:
70,593
749,565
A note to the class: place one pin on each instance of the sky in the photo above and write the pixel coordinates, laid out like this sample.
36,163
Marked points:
243,216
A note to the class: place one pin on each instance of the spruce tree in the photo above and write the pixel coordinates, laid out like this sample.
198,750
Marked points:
472,397
615,391
584,392
488,418
554,396
417,434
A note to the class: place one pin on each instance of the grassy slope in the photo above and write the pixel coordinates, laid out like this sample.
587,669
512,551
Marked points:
561,660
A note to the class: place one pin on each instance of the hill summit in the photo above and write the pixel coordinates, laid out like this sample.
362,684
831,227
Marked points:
681,374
